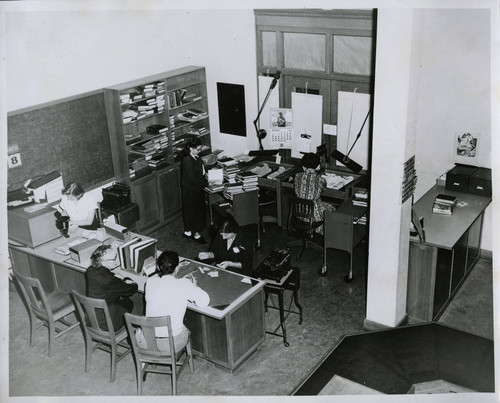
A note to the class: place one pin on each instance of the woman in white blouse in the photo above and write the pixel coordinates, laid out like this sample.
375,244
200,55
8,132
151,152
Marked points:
79,206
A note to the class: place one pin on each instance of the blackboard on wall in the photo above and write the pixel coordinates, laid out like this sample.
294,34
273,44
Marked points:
69,135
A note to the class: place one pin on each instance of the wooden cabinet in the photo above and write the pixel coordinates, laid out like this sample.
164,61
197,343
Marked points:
169,185
149,120
144,193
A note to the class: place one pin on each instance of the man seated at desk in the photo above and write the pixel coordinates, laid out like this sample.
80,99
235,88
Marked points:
167,295
231,248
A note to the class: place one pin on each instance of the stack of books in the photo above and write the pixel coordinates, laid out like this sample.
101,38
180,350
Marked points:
230,168
444,204
157,161
249,180
360,198
157,129
198,132
231,189
150,147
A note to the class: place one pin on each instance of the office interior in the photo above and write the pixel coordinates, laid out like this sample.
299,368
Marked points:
431,78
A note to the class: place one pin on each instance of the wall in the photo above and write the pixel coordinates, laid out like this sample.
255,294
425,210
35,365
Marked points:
453,87
91,50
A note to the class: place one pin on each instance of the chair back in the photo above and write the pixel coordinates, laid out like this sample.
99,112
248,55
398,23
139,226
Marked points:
89,310
34,296
148,325
301,214
338,231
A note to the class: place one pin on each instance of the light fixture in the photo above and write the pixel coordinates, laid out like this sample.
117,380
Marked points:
344,159
261,133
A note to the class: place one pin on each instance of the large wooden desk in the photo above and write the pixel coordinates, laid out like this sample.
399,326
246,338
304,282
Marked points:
226,332
438,267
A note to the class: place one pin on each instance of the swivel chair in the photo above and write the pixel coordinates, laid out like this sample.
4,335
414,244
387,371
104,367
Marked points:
301,224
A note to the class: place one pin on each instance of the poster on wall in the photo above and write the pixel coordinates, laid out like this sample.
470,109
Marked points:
465,148
281,128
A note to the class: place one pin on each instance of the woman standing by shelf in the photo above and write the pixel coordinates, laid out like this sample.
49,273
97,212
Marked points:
193,182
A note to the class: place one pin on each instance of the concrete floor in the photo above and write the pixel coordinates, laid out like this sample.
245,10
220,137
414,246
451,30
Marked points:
332,308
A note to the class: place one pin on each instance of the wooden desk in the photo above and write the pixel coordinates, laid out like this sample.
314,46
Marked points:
438,267
226,332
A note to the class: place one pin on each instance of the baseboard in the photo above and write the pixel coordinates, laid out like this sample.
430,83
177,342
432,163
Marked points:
371,325
486,255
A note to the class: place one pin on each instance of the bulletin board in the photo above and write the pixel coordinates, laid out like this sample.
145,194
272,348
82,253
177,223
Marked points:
307,120
69,135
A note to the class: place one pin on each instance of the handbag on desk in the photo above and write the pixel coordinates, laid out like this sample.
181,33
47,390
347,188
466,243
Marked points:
275,265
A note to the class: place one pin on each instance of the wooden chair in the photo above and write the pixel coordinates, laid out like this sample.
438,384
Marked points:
301,224
341,233
106,339
150,358
51,309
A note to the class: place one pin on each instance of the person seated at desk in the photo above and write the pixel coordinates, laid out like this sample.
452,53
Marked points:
167,295
309,184
103,284
78,207
231,248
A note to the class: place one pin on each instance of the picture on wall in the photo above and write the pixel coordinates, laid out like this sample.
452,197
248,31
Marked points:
465,147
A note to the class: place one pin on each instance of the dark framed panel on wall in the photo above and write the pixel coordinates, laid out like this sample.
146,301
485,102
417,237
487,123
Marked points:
231,101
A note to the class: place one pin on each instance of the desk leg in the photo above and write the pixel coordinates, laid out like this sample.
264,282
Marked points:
297,304
282,315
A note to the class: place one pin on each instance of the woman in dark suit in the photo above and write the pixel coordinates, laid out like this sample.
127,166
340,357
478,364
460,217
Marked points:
231,248
193,197
103,284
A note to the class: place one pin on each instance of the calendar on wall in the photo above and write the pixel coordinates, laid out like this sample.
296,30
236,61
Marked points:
281,127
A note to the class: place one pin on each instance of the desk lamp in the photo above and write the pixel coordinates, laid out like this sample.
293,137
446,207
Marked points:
344,159
261,133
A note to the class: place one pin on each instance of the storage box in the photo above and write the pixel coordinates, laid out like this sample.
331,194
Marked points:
32,229
457,178
83,251
480,182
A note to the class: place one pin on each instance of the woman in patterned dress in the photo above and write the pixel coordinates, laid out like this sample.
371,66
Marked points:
309,185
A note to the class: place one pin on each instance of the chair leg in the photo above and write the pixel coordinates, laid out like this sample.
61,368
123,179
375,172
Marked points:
52,335
32,329
174,377
88,352
139,378
113,363
190,355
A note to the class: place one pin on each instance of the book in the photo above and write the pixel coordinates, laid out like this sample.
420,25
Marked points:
124,253
139,252
446,199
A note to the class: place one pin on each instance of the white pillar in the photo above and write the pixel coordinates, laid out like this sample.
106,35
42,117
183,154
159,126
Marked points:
393,144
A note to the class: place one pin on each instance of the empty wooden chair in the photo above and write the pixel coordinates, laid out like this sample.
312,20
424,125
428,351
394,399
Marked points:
149,358
301,224
51,309
106,339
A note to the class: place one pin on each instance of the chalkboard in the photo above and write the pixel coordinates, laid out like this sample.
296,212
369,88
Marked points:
69,135
232,118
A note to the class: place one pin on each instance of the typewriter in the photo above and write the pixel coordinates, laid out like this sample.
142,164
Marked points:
115,197
275,265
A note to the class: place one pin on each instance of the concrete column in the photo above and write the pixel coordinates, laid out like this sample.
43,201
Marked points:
393,143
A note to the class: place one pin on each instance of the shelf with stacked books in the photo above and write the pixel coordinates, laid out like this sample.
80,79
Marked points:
143,130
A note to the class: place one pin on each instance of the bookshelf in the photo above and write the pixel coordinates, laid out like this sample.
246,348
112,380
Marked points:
147,132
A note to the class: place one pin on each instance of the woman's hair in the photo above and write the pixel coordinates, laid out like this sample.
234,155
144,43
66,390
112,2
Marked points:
73,189
97,255
193,142
166,263
228,225
310,160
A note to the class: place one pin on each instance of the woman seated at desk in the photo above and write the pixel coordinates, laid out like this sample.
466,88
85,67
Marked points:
78,207
231,248
103,284
309,185
167,295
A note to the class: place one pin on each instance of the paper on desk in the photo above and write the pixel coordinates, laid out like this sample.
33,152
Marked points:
213,273
246,280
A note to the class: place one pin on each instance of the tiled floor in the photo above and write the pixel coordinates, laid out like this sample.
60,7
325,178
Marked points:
332,309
